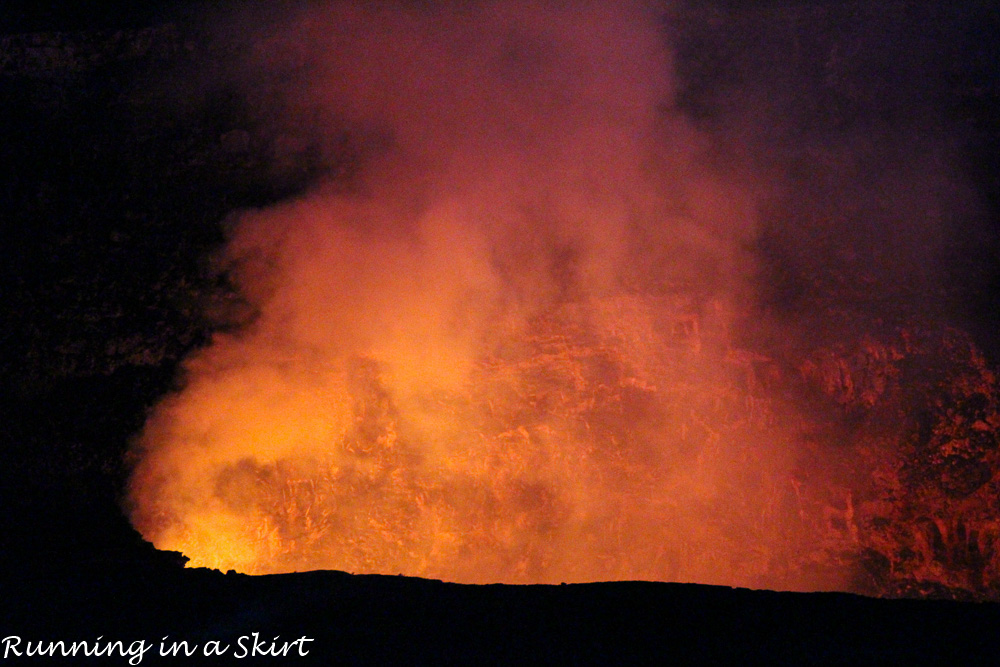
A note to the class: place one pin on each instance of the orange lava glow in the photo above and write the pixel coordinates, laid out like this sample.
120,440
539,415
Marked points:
606,441
502,354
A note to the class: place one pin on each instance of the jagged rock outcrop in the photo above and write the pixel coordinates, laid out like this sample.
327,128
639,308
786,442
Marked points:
927,409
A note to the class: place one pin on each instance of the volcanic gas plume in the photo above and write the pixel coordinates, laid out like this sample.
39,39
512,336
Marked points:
510,346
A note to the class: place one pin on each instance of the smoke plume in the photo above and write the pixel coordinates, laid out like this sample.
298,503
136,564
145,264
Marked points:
513,340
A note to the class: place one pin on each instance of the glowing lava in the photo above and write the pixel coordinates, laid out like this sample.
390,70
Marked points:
477,365
506,349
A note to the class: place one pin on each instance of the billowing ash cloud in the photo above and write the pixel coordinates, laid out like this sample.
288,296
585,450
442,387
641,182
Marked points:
504,348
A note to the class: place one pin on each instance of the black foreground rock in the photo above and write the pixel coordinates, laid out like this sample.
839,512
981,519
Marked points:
398,620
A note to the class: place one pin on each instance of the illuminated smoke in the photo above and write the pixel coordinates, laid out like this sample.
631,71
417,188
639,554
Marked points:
505,349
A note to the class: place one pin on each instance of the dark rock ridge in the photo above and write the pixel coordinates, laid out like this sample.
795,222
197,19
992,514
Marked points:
384,619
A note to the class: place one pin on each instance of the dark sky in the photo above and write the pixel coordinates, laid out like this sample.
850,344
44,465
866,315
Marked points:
18,16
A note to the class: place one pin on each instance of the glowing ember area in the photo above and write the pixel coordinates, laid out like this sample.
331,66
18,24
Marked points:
586,446
532,335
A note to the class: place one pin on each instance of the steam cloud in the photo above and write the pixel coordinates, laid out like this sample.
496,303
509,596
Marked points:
503,350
